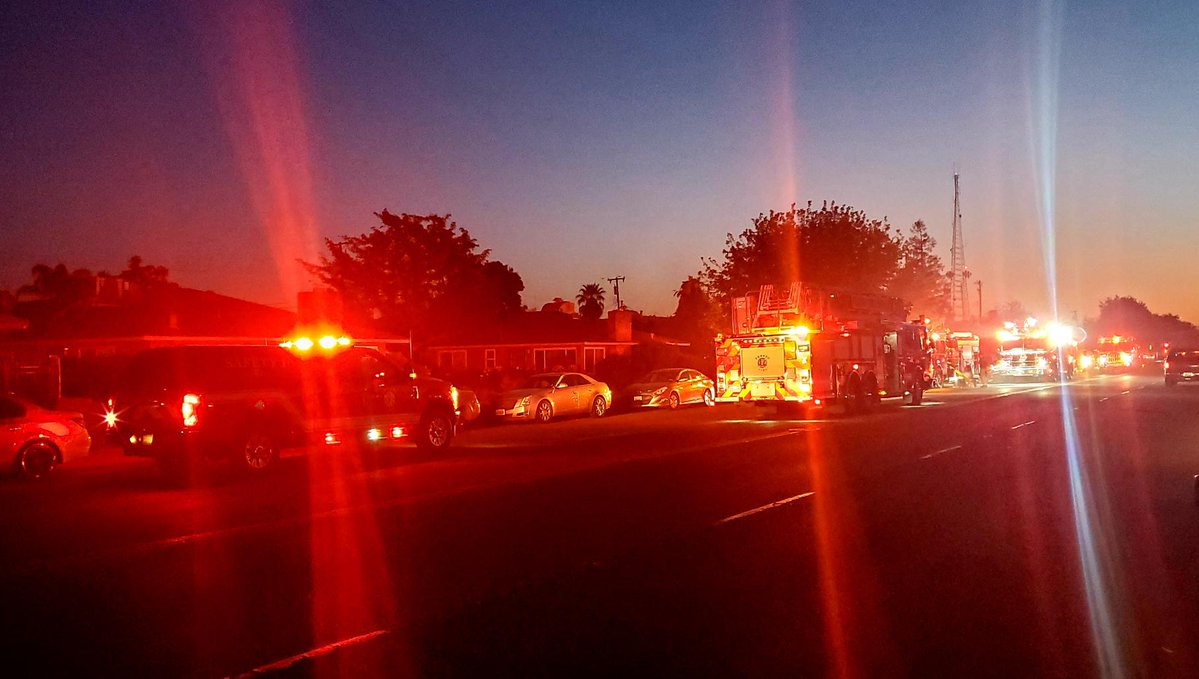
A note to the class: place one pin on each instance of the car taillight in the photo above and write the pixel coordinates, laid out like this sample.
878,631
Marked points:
189,409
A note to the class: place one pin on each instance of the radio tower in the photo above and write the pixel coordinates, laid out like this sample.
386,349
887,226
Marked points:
959,292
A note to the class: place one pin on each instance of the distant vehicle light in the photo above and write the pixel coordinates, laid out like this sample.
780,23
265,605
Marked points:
454,397
327,342
799,331
331,439
1126,358
303,344
1006,336
397,432
110,419
1042,364
1087,361
190,409
373,434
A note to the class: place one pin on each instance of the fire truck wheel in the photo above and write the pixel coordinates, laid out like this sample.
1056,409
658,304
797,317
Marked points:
672,401
709,398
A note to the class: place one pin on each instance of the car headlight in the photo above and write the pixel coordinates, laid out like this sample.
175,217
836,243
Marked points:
1042,364
523,402
659,391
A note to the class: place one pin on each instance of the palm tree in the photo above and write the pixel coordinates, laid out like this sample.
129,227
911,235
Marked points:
591,300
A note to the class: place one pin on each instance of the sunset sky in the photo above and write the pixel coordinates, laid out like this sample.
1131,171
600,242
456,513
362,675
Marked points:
583,140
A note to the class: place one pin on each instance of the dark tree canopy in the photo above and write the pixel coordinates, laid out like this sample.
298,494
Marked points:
921,278
833,246
1131,317
418,273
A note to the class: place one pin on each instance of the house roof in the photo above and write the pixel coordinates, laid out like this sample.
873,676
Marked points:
531,328
170,310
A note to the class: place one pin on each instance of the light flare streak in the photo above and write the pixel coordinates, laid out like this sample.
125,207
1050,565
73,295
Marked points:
1087,529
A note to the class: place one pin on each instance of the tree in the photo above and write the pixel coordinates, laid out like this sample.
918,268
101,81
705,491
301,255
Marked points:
58,287
1131,317
591,300
835,246
417,273
921,278
144,276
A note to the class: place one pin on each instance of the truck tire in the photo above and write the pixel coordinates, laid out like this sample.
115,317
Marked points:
256,452
436,431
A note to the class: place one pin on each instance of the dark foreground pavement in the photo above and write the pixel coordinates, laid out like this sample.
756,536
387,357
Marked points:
1041,532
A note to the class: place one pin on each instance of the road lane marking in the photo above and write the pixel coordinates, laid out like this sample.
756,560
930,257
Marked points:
1023,424
772,505
950,449
287,663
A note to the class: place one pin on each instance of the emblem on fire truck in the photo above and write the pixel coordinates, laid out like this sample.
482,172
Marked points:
762,362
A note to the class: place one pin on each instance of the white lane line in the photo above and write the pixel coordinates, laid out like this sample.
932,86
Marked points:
1023,424
763,508
1126,391
286,663
950,449
1104,399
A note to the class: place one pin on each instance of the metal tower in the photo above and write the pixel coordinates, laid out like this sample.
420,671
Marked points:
959,290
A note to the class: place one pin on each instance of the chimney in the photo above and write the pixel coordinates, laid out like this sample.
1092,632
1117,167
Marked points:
620,325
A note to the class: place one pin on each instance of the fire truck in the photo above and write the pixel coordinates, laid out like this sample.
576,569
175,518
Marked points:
1035,353
819,347
956,359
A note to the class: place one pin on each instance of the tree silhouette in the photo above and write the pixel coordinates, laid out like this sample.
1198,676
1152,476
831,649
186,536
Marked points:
591,300
418,273
833,246
920,279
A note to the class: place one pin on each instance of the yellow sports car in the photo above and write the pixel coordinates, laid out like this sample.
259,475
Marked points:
548,395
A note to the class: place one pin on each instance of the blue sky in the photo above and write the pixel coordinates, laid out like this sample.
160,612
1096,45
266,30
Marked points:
584,140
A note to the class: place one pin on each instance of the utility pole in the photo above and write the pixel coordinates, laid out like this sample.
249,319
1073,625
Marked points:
980,299
615,282
957,268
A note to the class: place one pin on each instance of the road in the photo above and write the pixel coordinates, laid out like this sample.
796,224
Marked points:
1018,531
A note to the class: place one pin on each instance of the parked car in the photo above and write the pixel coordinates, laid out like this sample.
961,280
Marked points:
35,440
1181,365
670,388
195,407
468,406
548,395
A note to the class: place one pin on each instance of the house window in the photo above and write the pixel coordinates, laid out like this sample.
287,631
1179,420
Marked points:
592,357
555,359
452,360
489,361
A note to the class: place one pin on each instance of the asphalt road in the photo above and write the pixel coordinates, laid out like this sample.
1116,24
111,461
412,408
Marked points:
1015,531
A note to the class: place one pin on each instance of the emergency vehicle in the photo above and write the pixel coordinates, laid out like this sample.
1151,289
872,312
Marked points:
820,347
1115,354
1035,353
956,359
